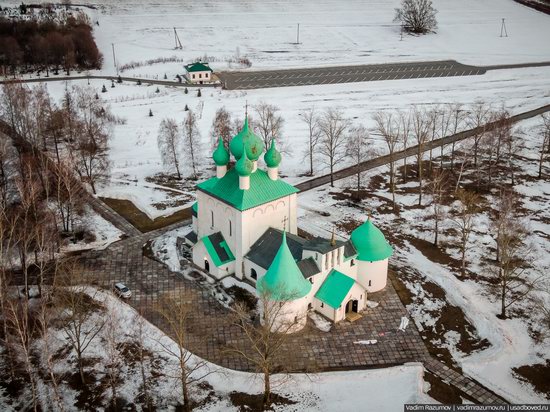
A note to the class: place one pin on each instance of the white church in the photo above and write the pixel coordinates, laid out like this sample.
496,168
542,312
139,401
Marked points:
245,225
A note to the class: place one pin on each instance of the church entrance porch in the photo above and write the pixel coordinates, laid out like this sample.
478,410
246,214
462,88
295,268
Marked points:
351,310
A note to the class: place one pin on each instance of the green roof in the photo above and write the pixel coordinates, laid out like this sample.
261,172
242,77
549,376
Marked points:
272,157
262,189
370,243
244,166
220,155
253,143
198,67
283,280
214,242
334,289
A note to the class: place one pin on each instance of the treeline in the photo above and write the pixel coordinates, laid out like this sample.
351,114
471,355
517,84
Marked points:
43,45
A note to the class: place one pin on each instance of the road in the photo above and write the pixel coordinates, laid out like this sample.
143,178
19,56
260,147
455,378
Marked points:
411,151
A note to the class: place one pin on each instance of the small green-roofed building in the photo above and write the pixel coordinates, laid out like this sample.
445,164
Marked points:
262,189
334,289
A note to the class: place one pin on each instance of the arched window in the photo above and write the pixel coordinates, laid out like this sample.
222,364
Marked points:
230,229
352,262
253,274
212,218
370,282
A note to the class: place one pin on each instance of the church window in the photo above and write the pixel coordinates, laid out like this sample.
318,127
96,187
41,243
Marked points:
193,76
253,274
200,75
352,262
322,305
230,229
309,306
370,282
212,218
311,280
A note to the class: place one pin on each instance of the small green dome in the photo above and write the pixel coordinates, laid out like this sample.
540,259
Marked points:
283,280
220,155
254,144
370,243
272,157
244,166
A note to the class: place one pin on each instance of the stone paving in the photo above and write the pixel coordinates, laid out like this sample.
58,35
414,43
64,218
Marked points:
211,332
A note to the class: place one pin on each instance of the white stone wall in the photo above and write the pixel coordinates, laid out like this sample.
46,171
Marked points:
248,265
290,312
372,275
205,77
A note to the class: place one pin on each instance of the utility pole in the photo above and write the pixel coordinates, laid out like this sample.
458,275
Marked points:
298,34
401,33
114,58
503,32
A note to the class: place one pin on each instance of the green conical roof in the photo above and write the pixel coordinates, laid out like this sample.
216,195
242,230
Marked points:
272,157
283,280
254,144
220,155
370,243
244,166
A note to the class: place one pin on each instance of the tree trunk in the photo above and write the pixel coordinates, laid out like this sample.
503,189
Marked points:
502,297
267,391
331,174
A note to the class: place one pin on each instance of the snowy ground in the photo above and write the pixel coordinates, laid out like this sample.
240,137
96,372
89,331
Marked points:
331,33
512,341
136,160
384,389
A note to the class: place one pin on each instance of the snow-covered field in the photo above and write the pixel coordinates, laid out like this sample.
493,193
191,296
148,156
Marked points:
332,32
135,156
383,389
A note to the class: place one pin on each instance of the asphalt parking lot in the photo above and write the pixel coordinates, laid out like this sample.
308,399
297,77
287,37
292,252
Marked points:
346,74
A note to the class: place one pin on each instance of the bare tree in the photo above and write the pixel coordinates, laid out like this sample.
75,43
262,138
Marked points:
170,144
310,118
333,127
358,149
404,134
421,126
112,355
139,336
79,304
465,211
269,123
68,196
417,16
478,118
438,186
545,141
264,344
388,128
221,127
90,147
458,116
513,255
175,311
192,142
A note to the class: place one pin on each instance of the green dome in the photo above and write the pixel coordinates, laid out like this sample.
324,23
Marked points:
370,243
283,280
220,155
253,143
244,166
272,157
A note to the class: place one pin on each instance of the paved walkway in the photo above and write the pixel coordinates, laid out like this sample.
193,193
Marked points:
469,387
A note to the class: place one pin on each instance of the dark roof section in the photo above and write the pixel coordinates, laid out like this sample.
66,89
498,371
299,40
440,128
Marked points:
349,250
308,267
216,239
192,236
321,245
265,248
